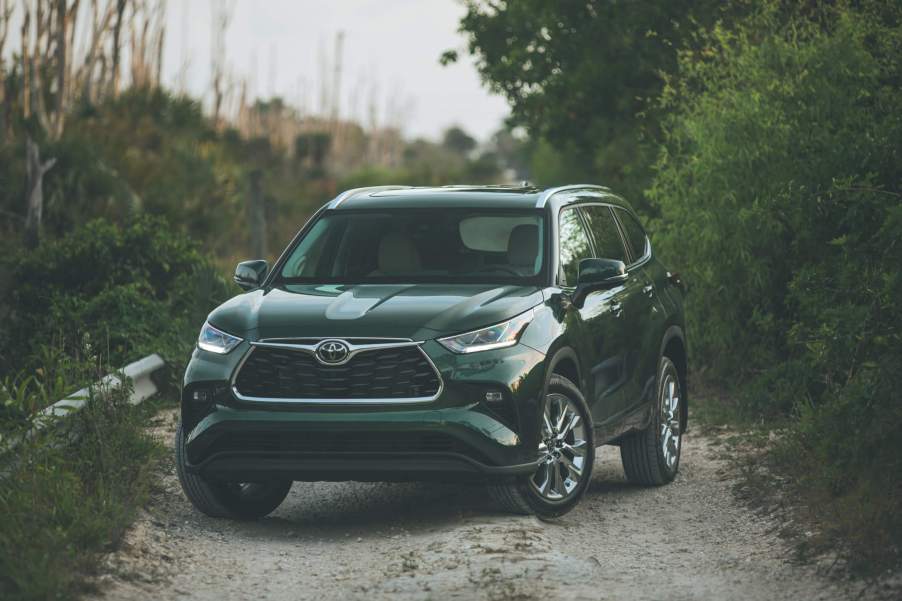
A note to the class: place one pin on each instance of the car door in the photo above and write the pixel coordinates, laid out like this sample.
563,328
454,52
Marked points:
615,379
644,311
595,327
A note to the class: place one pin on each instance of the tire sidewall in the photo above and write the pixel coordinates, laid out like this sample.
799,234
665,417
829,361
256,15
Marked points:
666,366
215,499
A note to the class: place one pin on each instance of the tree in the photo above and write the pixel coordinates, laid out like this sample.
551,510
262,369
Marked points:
779,188
54,76
458,141
35,170
580,74
223,11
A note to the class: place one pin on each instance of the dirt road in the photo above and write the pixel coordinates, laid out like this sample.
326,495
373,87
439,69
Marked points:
688,540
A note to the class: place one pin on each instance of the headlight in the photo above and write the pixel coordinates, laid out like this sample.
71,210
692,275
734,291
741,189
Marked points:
500,335
216,341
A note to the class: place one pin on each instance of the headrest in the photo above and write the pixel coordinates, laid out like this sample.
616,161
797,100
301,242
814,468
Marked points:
523,245
397,254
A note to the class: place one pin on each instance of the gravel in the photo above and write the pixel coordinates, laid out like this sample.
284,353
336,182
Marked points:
691,539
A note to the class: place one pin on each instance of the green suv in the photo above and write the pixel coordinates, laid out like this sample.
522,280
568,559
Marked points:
496,333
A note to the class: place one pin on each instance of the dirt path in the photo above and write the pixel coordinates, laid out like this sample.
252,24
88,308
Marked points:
688,540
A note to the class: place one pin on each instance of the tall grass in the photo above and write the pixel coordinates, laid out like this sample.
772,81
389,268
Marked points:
69,491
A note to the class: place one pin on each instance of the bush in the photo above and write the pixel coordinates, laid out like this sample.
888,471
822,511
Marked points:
782,163
70,493
844,457
780,191
125,291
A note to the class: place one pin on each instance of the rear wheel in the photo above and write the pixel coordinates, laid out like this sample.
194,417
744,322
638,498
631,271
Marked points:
220,499
652,457
566,452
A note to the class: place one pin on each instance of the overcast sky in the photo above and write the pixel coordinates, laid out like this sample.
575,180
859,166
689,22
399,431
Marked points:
390,52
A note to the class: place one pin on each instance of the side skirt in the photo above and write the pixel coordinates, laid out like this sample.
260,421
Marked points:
615,428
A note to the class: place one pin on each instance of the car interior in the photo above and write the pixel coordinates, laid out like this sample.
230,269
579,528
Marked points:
364,246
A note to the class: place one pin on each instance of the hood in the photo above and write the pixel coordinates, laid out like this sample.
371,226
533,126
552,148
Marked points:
418,311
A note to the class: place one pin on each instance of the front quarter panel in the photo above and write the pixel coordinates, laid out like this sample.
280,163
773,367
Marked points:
237,315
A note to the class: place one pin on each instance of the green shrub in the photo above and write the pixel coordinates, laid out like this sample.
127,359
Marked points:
780,192
781,163
123,291
845,460
25,393
69,493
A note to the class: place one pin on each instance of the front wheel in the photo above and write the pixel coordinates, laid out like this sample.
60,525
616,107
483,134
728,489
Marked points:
652,457
220,499
566,452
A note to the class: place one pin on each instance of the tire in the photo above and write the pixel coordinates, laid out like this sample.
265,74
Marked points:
644,459
219,499
522,495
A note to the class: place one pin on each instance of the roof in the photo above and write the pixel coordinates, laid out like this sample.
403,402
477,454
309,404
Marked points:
523,196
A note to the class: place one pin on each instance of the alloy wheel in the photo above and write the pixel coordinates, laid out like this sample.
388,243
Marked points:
670,420
562,450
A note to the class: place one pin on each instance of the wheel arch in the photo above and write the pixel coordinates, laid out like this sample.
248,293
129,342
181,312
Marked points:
565,362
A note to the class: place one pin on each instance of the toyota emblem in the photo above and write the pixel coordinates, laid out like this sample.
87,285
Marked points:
332,352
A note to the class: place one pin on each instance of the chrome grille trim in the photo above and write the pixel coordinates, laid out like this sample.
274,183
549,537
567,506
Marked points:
354,349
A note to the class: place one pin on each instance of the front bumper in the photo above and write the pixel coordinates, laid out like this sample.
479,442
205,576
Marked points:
458,435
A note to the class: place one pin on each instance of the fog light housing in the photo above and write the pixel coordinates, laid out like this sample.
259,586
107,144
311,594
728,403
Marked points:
202,396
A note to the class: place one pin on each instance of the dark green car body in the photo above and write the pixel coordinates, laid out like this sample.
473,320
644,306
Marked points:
607,339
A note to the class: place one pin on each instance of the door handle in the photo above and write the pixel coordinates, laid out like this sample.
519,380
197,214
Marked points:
617,309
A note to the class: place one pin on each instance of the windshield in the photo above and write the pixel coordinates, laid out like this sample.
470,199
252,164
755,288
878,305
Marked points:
420,245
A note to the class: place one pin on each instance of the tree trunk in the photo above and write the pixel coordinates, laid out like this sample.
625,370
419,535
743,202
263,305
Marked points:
4,105
117,43
35,170
161,37
257,215
26,65
62,24
5,14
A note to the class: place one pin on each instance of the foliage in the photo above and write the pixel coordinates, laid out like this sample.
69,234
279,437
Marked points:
430,164
158,154
145,151
23,395
780,201
458,141
127,291
70,493
581,74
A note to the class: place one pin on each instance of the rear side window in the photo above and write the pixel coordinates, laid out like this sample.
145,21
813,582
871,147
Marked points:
637,239
608,243
574,246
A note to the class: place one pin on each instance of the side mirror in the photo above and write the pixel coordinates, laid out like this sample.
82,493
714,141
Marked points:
250,274
598,274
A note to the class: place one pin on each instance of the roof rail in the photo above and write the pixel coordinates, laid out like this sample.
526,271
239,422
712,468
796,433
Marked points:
517,186
543,198
355,191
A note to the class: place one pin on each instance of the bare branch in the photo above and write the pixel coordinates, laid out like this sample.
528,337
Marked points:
222,15
43,40
35,170
26,63
100,28
6,12
117,45
62,23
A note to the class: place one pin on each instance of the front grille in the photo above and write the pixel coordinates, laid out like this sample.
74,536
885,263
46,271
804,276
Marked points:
393,373
337,442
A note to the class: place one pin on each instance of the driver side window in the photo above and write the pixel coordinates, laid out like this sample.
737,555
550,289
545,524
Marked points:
574,246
